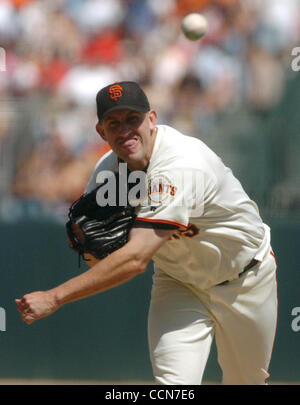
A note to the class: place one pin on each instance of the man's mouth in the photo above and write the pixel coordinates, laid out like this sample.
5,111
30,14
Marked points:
129,143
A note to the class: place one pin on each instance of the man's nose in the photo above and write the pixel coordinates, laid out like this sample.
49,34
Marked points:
124,129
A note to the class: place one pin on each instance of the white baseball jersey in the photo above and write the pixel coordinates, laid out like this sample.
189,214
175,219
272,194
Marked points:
217,227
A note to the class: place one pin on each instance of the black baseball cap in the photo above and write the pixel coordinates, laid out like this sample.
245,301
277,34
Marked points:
120,95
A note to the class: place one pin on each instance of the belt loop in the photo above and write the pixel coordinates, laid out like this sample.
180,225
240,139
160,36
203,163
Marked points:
248,267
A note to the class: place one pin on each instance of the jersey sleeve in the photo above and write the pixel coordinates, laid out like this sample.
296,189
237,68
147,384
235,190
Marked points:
173,197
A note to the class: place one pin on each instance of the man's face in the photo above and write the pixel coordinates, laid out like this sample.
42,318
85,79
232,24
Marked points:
131,135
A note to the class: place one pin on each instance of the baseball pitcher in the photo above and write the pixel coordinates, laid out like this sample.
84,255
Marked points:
214,268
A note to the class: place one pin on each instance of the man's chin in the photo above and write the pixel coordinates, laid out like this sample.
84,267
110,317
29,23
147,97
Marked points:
135,162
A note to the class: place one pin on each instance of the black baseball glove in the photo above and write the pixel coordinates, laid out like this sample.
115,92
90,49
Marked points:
98,230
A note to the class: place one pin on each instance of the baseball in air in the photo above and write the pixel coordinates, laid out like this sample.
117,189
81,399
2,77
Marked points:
194,26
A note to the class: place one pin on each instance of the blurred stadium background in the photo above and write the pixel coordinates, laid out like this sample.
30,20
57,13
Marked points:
235,89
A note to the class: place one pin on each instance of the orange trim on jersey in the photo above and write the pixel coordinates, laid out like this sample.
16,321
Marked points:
161,221
272,254
277,304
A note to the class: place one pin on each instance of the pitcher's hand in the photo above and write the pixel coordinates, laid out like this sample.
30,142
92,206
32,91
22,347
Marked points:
36,305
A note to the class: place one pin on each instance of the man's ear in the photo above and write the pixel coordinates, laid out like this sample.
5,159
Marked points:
100,131
152,118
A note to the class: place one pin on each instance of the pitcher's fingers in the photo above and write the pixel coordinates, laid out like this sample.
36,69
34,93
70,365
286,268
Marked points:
29,319
21,303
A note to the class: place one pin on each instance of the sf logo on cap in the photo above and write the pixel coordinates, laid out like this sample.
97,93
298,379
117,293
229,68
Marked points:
115,91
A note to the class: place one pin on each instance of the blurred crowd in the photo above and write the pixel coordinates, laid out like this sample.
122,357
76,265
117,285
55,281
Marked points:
56,55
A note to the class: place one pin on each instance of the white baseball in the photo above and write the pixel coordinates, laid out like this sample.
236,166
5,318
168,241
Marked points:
194,26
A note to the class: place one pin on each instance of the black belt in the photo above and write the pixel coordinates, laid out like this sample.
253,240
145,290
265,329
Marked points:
248,267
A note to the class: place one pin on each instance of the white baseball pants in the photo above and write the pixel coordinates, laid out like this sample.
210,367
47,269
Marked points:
242,315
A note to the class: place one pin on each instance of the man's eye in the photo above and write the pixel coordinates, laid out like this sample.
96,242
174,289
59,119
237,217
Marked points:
113,124
133,119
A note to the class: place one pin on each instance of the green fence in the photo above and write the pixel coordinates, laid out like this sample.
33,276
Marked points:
104,337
